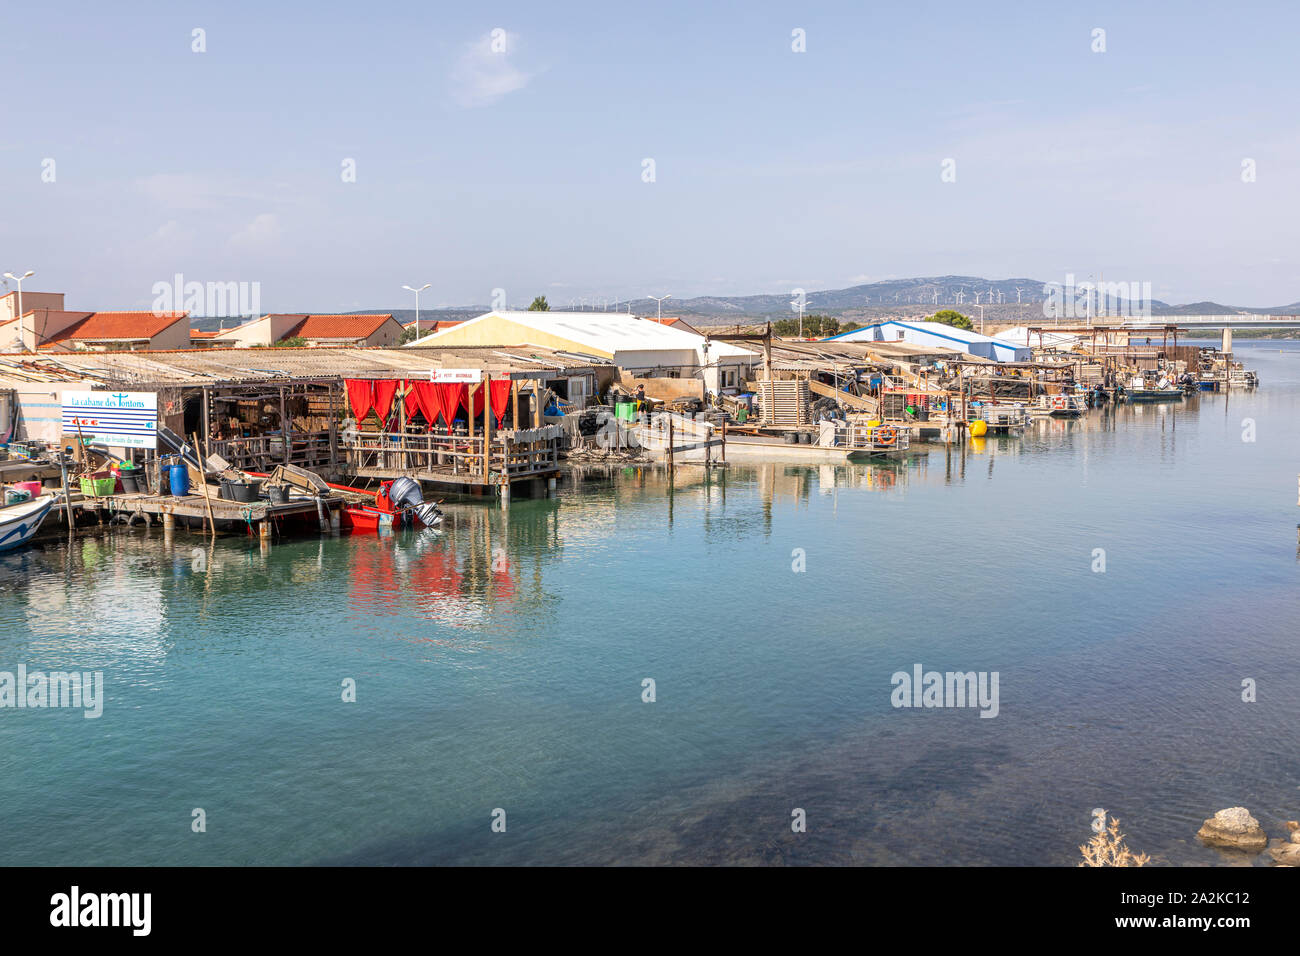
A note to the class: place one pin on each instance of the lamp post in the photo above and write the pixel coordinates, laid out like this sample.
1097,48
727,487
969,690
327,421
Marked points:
19,280
660,300
417,303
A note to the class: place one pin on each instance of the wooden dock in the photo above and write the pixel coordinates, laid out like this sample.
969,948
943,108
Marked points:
259,517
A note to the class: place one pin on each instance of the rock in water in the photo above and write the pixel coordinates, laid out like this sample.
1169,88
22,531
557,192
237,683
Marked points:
1234,828
1284,853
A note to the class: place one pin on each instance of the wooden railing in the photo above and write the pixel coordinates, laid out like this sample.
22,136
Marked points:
264,452
510,454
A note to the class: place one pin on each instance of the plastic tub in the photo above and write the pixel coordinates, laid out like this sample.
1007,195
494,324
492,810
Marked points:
242,491
98,487
277,494
33,488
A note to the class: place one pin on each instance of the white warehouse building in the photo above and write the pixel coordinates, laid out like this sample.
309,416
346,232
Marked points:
936,333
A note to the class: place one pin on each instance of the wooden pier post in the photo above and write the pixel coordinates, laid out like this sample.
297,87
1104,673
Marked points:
487,430
67,492
203,480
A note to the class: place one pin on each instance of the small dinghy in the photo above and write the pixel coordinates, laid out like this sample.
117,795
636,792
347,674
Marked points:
398,503
20,521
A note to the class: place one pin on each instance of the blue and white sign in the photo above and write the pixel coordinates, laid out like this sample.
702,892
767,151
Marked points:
119,419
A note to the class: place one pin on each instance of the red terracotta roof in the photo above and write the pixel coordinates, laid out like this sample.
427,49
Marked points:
433,325
338,326
116,327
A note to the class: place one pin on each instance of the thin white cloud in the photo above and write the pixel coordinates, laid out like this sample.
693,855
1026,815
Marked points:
485,71
264,228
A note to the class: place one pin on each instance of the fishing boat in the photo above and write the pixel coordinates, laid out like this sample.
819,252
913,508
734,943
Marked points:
1239,377
397,504
1063,405
1149,389
20,521
1001,418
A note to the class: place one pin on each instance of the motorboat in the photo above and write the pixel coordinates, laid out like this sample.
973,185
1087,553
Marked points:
397,504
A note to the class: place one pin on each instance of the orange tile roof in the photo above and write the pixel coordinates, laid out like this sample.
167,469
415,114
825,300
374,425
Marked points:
116,326
433,325
339,326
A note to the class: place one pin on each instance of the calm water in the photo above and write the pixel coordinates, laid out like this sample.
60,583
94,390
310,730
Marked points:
499,664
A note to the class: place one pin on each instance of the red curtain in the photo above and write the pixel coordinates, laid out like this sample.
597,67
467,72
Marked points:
426,399
500,397
360,396
474,402
385,389
452,397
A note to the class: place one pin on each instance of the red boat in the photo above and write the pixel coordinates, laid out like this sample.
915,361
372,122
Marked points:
385,512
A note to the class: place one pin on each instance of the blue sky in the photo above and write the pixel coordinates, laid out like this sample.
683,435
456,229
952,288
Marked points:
523,170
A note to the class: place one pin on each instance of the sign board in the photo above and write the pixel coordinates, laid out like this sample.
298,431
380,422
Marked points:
120,419
455,375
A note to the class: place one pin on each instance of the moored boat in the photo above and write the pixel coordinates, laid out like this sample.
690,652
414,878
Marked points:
20,521
1061,405
397,504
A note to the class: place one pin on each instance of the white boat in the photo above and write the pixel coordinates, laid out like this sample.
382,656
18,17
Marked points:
1063,405
1001,417
20,521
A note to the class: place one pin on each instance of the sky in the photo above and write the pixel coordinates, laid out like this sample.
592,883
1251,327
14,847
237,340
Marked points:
597,150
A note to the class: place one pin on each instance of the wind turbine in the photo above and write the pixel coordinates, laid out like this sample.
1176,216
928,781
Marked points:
1017,295
977,296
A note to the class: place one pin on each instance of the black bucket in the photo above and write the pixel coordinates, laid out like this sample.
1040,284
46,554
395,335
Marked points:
127,477
277,494
791,438
242,491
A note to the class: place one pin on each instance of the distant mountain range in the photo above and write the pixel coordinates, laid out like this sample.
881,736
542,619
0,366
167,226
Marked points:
1003,300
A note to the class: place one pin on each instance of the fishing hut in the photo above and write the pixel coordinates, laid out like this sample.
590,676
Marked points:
468,420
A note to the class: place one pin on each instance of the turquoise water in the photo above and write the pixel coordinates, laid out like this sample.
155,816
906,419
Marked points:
499,664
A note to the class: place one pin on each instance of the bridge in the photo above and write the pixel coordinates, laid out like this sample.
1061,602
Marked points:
1166,326
1232,321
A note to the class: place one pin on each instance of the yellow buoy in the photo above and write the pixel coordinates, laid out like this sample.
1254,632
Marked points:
978,428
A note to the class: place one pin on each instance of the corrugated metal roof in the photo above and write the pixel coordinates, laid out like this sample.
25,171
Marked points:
211,366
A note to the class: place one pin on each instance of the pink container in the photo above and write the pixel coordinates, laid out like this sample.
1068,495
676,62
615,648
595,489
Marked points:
33,488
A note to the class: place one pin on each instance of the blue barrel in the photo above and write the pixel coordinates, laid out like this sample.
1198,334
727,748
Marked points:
180,478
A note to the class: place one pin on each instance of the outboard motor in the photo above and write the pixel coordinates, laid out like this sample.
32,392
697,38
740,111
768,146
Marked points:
405,493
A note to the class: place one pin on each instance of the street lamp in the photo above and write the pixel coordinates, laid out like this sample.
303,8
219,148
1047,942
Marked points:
19,280
417,303
660,300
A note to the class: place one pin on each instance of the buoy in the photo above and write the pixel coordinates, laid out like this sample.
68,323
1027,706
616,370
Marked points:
979,428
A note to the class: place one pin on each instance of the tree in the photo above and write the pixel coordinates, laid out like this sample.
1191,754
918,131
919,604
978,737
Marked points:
954,318
813,325
540,305
408,335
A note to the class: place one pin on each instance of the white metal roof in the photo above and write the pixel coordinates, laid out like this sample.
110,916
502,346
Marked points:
609,332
